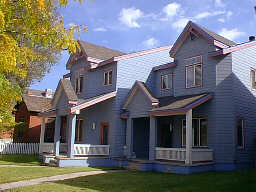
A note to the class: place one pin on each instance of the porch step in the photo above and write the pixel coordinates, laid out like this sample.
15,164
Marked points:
132,166
53,163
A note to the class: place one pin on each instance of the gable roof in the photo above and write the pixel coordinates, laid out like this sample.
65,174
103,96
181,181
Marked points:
65,85
94,53
141,86
213,37
37,103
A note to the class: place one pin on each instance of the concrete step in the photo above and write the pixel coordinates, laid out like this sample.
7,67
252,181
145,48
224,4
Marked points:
53,163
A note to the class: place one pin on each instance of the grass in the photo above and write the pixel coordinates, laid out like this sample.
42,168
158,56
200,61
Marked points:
12,174
236,181
29,160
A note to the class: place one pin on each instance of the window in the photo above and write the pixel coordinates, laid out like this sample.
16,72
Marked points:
253,78
79,84
240,132
193,72
199,132
104,133
79,130
108,77
21,119
166,81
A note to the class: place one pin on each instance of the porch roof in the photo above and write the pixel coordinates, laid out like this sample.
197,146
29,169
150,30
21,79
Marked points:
179,105
84,103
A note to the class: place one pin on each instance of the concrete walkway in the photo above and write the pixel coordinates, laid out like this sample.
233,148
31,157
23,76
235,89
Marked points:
52,178
21,166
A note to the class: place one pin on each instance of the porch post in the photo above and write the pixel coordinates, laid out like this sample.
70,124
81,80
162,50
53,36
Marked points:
152,138
71,135
57,136
43,120
188,160
129,137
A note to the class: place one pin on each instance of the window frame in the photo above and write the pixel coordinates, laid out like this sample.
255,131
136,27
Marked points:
253,84
108,77
78,87
102,125
199,133
169,84
243,133
78,137
194,65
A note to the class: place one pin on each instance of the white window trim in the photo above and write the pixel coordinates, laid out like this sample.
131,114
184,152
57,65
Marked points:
169,84
182,128
108,78
194,70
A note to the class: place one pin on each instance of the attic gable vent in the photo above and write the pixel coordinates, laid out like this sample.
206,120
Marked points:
192,36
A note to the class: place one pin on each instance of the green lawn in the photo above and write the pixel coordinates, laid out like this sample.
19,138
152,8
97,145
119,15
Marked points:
19,160
11,174
237,181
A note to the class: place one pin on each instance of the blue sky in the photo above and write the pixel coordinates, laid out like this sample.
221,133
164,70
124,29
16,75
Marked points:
133,25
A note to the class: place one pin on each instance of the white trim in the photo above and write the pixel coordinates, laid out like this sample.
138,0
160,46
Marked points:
194,65
169,81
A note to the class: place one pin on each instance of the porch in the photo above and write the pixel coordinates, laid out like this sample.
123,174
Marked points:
177,132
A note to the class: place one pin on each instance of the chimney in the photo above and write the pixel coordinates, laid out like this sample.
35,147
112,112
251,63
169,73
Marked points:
48,93
252,38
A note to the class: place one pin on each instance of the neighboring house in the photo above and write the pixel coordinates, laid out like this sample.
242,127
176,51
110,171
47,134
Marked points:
183,108
33,102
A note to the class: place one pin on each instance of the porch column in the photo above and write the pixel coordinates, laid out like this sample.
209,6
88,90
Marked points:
188,160
71,134
57,136
129,137
152,138
43,120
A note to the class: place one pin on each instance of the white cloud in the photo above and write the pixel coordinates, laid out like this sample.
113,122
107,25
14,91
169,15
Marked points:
208,14
231,34
219,3
70,24
180,23
222,20
171,9
100,29
150,43
130,16
229,14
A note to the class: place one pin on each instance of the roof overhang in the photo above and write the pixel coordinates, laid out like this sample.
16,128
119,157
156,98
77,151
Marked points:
232,49
49,113
95,101
165,66
182,110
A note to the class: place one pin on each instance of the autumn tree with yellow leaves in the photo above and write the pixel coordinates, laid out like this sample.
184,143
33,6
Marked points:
32,34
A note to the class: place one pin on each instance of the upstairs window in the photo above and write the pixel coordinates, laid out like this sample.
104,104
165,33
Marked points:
253,80
108,77
79,84
193,72
166,81
240,132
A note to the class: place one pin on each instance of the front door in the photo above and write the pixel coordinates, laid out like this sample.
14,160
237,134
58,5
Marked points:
165,135
141,137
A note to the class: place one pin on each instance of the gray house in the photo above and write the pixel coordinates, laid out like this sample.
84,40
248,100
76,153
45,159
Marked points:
184,108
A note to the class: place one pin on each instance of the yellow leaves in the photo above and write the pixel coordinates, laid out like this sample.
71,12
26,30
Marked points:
41,4
2,22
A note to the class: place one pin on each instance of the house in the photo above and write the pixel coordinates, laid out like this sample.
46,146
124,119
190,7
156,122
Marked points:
26,115
184,108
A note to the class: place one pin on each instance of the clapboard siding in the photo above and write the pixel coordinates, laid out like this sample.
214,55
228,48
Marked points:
245,100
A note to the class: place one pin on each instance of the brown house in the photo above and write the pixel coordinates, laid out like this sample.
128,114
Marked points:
33,102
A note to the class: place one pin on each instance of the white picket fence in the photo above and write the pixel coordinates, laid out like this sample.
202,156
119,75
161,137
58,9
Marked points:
19,148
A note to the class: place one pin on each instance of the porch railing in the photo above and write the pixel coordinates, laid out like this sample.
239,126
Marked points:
179,154
49,147
175,154
87,149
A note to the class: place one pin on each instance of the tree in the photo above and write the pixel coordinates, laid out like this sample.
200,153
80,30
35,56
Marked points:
32,34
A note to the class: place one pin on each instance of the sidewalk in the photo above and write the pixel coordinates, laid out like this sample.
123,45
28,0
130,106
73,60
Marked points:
52,178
